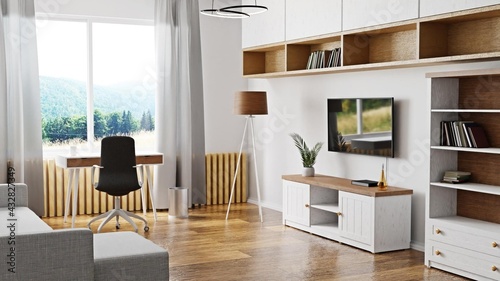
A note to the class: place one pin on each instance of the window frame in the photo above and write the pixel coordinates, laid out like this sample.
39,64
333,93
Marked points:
89,21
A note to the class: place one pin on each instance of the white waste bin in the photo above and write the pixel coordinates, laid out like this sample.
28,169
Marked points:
178,202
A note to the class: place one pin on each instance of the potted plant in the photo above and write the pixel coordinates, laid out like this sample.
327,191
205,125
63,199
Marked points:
307,155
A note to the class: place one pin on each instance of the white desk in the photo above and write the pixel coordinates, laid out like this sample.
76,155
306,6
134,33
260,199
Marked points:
77,162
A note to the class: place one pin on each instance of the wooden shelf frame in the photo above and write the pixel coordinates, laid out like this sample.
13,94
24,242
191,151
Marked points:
452,37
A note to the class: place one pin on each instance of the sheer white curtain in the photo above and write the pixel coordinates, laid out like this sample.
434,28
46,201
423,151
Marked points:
179,120
20,125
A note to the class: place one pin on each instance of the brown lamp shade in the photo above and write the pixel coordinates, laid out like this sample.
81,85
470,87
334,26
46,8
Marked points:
250,103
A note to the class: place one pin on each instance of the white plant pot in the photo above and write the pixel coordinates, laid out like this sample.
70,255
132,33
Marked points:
308,172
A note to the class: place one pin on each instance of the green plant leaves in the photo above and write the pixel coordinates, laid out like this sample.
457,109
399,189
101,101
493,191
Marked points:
307,155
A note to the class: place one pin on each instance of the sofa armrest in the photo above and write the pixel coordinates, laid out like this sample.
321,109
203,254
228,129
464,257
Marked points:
56,255
19,190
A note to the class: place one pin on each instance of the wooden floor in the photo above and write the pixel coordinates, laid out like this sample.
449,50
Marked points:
207,247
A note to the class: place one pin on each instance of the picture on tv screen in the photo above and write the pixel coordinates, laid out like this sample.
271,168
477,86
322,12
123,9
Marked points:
361,126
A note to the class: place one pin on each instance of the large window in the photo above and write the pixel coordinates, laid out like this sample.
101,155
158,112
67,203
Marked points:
96,79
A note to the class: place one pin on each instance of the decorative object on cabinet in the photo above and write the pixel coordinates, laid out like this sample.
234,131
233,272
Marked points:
307,155
331,207
450,37
249,103
463,220
235,11
382,182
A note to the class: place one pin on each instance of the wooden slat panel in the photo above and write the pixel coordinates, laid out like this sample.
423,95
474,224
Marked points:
214,179
244,178
80,209
208,175
227,178
237,191
232,168
220,178
89,193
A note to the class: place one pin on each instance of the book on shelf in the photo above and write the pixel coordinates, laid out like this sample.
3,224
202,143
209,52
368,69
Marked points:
462,134
478,136
367,183
456,176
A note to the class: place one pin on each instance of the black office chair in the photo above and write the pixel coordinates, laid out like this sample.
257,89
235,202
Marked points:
118,177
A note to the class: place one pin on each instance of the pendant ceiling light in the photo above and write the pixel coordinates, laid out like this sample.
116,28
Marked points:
234,12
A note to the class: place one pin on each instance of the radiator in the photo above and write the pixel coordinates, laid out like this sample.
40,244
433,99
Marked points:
90,201
219,170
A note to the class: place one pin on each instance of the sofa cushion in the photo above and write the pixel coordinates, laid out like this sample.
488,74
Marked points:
24,221
121,255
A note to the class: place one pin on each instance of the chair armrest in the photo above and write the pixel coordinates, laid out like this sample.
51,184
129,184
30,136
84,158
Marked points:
92,173
55,255
19,191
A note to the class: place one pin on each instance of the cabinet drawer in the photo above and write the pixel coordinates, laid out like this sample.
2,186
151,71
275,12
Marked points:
465,260
466,239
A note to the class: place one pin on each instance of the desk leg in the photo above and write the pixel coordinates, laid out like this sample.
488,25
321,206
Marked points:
75,197
71,173
150,185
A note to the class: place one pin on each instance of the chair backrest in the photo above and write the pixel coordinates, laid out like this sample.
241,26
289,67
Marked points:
118,175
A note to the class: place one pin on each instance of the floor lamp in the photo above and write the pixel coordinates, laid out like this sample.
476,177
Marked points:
249,103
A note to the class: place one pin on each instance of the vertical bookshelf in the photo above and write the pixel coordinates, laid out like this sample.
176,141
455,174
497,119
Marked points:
467,211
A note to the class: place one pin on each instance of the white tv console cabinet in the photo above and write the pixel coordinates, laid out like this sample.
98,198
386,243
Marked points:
363,217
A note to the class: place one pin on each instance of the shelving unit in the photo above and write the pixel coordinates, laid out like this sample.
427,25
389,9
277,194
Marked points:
459,36
463,220
373,220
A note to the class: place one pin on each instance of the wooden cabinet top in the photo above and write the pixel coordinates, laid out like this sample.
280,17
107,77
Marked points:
344,184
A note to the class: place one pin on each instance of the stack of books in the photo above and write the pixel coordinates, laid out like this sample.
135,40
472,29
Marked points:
324,58
456,176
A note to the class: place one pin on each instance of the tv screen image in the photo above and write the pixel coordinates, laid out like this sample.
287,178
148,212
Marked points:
361,126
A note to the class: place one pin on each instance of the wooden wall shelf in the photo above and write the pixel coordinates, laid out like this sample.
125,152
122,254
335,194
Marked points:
459,36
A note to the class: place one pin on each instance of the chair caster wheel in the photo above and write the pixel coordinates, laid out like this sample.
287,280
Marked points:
146,228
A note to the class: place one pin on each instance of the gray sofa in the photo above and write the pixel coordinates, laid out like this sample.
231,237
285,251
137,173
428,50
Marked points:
32,250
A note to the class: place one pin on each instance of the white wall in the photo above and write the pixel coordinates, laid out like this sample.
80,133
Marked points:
222,62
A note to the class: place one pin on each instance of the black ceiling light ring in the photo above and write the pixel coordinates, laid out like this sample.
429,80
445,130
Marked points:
234,12
247,9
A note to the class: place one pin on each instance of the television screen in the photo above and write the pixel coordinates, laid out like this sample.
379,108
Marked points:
361,126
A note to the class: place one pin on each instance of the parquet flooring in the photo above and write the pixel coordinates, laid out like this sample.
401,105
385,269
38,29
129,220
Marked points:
207,247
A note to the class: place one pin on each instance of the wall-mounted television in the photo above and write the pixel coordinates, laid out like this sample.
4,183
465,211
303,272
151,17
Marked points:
361,126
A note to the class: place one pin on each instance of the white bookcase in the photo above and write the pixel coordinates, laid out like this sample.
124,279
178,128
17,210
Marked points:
373,220
463,220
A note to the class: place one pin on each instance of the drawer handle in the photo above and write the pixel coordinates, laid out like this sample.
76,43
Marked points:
438,231
307,205
339,214
494,268
494,244
437,252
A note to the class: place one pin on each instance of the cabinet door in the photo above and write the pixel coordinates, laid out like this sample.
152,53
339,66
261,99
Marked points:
305,18
296,200
264,28
356,219
432,7
362,13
